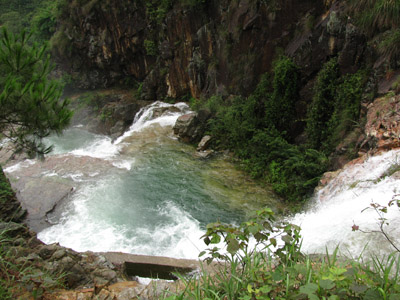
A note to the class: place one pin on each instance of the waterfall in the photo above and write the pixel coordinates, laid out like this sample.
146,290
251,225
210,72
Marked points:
144,193
328,221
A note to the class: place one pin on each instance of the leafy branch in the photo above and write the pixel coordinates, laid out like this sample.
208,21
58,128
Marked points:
381,210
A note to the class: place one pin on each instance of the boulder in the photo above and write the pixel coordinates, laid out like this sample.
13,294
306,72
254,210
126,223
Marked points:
190,127
204,143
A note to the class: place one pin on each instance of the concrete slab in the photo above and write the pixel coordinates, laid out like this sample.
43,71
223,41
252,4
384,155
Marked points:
152,266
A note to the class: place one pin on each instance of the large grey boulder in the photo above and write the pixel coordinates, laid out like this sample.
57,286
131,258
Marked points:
190,127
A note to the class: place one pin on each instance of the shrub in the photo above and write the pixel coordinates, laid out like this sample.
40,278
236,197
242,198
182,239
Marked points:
377,15
347,106
280,106
263,260
323,105
256,129
150,47
335,106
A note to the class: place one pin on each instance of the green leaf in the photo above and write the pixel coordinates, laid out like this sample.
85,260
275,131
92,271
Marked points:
215,239
265,289
309,288
358,288
326,284
233,246
372,294
253,229
202,253
287,239
273,241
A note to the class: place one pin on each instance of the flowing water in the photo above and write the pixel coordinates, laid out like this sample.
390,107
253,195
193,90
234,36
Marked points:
145,193
341,204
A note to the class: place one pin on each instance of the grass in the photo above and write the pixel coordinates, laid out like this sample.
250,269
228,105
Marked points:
19,275
284,272
261,276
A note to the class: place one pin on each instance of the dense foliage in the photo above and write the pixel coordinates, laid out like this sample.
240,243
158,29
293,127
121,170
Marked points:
258,129
30,102
275,268
335,106
37,15
323,104
380,19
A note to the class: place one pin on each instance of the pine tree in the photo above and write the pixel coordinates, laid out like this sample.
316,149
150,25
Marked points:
30,105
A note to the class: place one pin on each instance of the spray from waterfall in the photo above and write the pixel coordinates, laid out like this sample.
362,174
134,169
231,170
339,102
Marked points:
328,221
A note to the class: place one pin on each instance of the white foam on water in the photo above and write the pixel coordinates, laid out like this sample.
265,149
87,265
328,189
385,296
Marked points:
4,142
23,164
105,148
145,117
124,164
100,148
82,229
329,220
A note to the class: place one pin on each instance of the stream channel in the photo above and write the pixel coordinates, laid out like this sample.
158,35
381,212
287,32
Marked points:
144,193
147,193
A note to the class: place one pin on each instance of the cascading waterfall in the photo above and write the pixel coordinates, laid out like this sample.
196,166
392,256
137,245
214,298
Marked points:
123,211
340,205
144,193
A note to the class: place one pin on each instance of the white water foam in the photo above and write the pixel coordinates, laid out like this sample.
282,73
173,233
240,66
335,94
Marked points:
100,148
145,117
93,221
84,228
339,205
23,164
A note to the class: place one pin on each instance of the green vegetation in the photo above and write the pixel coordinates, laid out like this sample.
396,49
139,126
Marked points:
380,19
151,47
259,130
281,103
5,189
335,106
18,277
38,15
323,105
30,102
275,268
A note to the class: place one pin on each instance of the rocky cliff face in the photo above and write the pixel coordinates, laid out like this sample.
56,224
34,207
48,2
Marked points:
217,46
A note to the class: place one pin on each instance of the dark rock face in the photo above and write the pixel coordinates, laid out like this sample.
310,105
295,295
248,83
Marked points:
218,47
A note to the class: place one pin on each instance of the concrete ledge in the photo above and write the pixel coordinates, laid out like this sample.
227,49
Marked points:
152,266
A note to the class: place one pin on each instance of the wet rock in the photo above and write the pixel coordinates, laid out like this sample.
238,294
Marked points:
76,276
190,127
46,251
105,274
58,254
39,196
204,154
204,143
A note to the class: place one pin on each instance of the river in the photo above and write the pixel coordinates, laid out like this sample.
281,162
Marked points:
147,193
144,193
